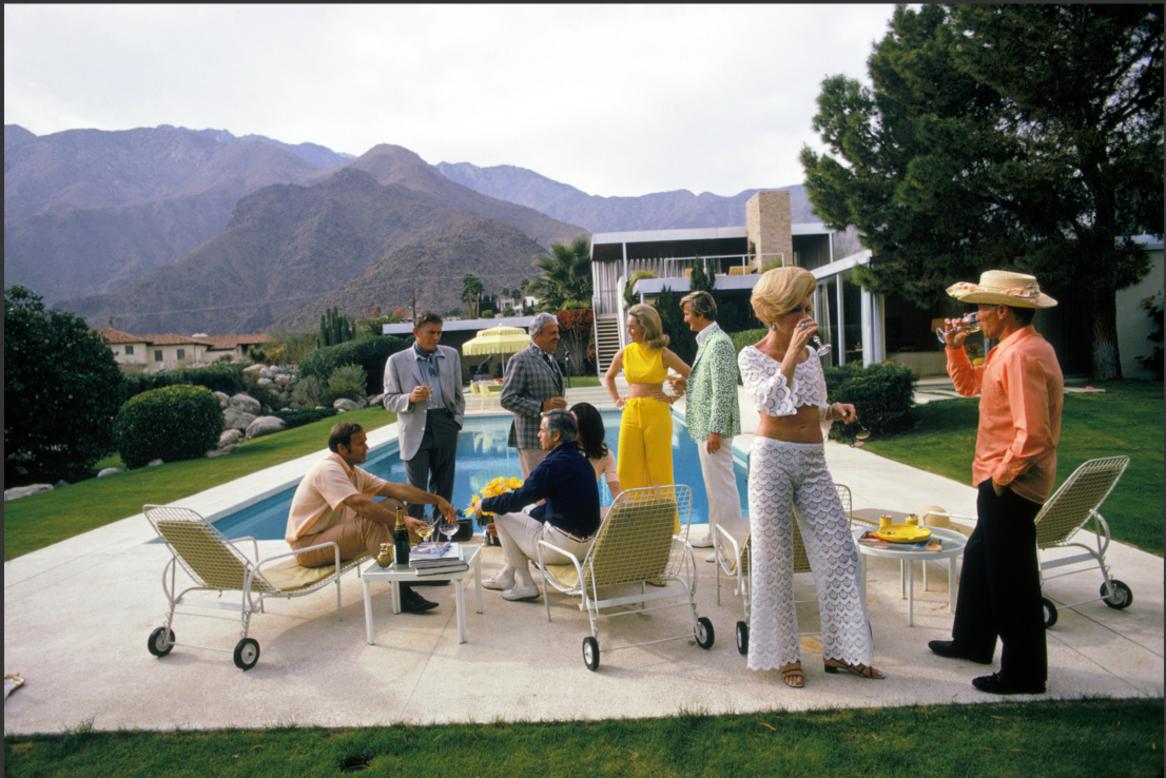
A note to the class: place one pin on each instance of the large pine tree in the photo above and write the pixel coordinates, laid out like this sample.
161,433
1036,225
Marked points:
1020,136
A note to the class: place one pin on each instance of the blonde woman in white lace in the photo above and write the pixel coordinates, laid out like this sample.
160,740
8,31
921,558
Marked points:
787,467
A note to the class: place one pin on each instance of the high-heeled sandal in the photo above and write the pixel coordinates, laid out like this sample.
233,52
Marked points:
792,675
859,669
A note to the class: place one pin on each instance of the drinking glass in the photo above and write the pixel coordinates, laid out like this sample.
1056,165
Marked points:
447,529
424,532
969,323
860,437
822,348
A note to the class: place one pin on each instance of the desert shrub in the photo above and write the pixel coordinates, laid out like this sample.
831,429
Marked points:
303,416
882,395
308,392
369,353
171,423
347,381
62,389
226,378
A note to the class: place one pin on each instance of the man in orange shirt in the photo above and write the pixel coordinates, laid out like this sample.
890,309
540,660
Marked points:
1021,395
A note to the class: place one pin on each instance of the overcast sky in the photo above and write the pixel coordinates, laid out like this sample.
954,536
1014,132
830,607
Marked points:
614,100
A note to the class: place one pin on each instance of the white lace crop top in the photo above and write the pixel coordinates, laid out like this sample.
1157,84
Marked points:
764,382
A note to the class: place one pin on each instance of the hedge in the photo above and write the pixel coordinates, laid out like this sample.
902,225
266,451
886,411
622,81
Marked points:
226,378
882,394
369,353
171,423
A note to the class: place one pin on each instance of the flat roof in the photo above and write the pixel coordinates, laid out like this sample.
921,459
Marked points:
462,325
697,233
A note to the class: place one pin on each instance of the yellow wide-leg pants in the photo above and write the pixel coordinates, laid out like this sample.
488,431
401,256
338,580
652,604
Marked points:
645,445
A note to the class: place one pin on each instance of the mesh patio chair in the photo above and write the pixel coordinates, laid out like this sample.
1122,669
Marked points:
216,564
733,563
1071,507
633,548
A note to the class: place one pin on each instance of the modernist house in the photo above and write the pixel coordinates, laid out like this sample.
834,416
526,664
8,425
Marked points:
862,327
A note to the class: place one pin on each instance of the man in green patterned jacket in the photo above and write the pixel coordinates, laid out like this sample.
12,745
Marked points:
711,412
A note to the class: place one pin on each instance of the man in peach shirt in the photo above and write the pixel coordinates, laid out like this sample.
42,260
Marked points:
1021,395
334,502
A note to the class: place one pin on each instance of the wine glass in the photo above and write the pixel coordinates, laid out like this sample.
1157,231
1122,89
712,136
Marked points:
424,531
969,323
860,437
823,349
448,530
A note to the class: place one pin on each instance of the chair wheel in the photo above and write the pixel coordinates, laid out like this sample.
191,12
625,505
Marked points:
160,644
246,653
591,653
742,638
704,633
1050,612
1122,595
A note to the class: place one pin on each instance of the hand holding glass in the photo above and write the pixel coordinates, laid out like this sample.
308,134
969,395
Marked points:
969,323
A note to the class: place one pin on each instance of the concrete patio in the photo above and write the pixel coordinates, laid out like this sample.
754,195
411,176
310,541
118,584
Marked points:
77,616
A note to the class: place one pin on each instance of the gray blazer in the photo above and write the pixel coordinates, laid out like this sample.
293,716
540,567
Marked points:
402,374
529,382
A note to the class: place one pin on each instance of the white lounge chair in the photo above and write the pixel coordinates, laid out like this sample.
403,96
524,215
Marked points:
216,564
633,548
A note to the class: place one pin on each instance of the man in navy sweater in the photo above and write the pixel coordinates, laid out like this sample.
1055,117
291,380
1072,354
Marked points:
567,517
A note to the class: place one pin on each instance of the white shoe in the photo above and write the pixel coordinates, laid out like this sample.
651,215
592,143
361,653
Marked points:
521,593
712,557
499,583
705,542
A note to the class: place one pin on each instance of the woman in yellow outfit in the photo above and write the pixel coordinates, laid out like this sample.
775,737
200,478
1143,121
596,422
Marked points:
645,430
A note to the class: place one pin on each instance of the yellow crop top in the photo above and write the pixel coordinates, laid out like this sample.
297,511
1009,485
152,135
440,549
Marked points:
643,365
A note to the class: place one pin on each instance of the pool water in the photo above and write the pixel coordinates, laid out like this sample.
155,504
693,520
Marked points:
482,455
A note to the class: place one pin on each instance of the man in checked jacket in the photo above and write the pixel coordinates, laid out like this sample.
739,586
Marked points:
533,384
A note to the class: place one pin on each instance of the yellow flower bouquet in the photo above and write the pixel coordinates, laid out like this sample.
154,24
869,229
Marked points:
500,485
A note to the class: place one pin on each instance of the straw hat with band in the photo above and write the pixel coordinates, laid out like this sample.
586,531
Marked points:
1002,287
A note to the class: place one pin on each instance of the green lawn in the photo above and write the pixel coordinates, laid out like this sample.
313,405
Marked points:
43,519
1125,419
1047,738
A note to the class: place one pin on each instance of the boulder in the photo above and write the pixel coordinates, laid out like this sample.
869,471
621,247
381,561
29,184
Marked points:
265,425
218,452
343,404
108,471
231,437
265,381
283,379
154,463
60,484
16,492
245,402
224,400
234,418
253,370
266,372
376,399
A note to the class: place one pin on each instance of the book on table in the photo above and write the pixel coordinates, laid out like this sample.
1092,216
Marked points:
434,558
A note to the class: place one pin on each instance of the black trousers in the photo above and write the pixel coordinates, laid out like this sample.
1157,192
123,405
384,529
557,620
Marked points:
1000,588
431,468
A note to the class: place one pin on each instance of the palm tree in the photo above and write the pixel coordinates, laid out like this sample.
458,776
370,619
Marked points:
566,274
472,289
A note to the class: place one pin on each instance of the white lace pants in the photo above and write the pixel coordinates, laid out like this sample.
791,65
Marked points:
782,475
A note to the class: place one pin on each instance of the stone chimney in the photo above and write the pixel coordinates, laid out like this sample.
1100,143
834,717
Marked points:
768,229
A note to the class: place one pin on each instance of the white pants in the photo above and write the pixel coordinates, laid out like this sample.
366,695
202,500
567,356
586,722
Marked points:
520,534
720,485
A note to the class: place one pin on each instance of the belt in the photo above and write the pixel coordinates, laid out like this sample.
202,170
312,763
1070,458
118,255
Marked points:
575,538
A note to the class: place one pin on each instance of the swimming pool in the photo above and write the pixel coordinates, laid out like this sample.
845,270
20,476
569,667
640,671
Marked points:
482,455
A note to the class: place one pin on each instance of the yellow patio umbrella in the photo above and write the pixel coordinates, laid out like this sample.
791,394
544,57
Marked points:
497,340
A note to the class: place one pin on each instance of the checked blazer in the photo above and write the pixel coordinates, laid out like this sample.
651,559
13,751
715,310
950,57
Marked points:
712,388
529,381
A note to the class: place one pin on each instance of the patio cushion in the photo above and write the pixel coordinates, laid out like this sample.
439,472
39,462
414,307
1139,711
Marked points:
290,576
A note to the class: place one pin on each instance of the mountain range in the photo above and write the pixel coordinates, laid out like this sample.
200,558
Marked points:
171,229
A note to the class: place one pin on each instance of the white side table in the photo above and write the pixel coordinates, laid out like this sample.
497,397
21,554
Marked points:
397,575
952,544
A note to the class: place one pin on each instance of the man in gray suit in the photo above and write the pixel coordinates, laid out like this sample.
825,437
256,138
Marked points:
423,386
533,384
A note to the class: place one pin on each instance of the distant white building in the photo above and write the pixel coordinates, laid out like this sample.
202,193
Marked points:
168,351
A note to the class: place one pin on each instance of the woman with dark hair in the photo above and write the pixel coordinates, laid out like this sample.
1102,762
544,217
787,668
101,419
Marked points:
591,440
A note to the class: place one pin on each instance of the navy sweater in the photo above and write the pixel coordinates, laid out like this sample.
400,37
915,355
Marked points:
566,481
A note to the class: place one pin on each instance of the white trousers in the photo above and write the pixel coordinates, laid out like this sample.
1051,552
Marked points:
520,534
720,486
